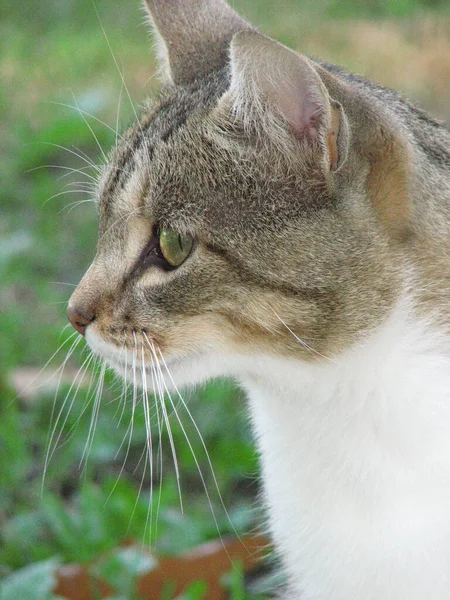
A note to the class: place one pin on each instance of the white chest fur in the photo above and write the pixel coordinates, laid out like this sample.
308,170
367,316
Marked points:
356,466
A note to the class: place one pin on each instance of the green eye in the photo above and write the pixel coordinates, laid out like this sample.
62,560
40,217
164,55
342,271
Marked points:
175,246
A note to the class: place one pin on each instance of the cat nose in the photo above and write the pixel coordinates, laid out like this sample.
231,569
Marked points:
79,319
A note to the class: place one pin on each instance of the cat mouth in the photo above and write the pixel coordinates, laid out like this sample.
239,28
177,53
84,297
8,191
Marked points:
127,361
153,369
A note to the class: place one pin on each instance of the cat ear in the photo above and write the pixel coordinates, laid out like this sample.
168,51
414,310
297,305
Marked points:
271,83
193,36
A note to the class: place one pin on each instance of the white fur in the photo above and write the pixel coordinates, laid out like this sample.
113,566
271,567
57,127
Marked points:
355,459
356,467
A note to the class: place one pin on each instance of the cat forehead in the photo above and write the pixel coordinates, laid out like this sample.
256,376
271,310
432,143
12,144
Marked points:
153,140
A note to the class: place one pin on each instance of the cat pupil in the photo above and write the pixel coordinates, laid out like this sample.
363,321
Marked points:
175,246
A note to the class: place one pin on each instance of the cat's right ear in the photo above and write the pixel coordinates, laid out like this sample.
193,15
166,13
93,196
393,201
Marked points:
278,94
192,36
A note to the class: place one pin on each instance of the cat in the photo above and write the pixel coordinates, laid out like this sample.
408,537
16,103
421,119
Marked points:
279,220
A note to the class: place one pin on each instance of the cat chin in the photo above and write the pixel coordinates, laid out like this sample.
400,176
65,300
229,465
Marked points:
168,377
171,373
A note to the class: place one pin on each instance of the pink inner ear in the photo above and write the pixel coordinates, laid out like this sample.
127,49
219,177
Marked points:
299,109
267,74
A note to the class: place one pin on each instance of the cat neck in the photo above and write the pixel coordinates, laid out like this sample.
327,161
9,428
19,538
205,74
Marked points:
404,364
357,441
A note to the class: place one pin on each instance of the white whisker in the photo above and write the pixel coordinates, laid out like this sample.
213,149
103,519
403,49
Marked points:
87,114
88,159
204,448
64,193
144,452
197,464
122,78
79,154
64,283
70,170
159,457
105,158
36,377
129,431
161,387
145,140
80,376
141,485
52,430
88,185
94,417
118,110
149,444
69,208
300,341
93,366
123,396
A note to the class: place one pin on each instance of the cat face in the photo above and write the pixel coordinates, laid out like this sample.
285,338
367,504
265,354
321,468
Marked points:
235,217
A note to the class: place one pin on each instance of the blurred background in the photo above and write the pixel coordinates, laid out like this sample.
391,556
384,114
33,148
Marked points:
61,99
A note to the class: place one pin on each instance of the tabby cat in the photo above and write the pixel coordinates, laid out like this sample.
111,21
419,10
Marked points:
284,222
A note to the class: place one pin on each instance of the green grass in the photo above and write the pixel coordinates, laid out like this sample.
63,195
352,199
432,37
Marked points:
53,53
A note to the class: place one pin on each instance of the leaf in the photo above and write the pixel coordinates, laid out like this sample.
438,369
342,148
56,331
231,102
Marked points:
234,580
60,522
195,591
34,582
122,568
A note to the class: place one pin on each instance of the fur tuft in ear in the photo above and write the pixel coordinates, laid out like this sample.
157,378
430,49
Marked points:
193,36
277,89
338,136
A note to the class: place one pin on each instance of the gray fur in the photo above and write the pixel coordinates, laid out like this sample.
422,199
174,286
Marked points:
331,249
193,35
276,222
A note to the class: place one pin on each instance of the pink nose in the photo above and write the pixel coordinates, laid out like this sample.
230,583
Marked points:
79,320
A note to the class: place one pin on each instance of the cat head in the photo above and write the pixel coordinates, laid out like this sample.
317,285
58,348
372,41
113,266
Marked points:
246,213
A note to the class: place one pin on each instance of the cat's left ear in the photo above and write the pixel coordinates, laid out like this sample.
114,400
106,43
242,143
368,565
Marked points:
272,85
192,36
